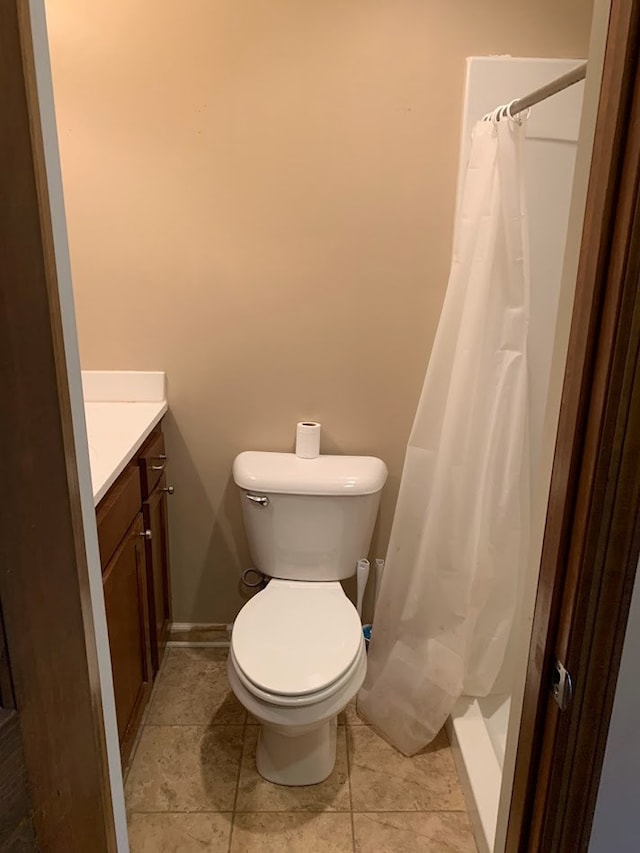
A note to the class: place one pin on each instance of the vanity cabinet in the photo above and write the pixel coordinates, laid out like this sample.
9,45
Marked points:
134,553
152,461
125,599
124,578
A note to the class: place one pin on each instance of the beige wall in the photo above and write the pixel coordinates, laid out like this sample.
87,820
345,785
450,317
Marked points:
260,200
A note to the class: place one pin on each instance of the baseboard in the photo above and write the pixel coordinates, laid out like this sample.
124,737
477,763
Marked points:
199,635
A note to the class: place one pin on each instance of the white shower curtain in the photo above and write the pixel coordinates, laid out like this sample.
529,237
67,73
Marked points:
460,531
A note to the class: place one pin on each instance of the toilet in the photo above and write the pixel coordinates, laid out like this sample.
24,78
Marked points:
297,654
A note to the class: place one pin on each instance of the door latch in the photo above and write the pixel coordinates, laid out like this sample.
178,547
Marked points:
561,686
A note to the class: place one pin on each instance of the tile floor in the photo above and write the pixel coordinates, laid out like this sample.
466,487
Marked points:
192,784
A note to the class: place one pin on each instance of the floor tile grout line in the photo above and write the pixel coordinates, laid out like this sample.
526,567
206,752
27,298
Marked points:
353,829
304,811
235,798
207,725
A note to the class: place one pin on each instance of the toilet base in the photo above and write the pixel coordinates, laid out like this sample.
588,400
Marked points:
304,759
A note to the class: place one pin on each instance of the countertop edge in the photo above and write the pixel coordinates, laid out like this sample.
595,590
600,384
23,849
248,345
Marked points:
130,452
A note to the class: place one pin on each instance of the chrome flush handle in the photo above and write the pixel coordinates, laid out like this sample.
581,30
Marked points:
262,500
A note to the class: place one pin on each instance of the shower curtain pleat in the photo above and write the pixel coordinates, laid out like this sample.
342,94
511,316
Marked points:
460,530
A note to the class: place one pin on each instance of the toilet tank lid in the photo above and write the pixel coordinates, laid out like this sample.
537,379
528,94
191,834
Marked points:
288,474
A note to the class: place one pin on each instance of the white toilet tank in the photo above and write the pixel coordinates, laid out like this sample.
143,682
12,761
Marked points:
308,519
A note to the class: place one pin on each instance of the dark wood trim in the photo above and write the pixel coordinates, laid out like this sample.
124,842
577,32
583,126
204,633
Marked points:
15,803
16,811
603,551
606,568
44,584
586,565
7,694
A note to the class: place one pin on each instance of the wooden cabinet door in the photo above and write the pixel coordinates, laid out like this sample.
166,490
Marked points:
125,596
158,571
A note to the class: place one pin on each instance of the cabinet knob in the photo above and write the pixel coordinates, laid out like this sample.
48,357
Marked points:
169,490
146,534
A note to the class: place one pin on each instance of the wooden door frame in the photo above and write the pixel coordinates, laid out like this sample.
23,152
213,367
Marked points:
16,810
591,540
44,582
587,545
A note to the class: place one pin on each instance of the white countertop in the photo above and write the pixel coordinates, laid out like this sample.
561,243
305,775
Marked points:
121,410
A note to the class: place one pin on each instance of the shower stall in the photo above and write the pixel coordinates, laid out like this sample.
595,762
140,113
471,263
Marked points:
478,726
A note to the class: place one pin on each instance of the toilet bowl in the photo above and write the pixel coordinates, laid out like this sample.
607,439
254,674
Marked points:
297,658
297,654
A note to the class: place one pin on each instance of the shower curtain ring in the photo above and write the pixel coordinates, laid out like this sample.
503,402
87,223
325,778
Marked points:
520,117
504,111
494,115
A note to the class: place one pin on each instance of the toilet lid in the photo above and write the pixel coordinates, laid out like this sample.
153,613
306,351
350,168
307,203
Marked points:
296,637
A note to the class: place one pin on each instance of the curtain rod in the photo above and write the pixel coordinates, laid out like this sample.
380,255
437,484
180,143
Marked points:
558,85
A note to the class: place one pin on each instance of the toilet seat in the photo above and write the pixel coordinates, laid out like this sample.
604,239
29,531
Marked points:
296,641
305,699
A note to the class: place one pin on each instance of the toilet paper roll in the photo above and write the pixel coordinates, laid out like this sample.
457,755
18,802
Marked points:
308,439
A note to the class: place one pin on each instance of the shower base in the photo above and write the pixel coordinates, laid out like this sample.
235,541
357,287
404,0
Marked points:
478,732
